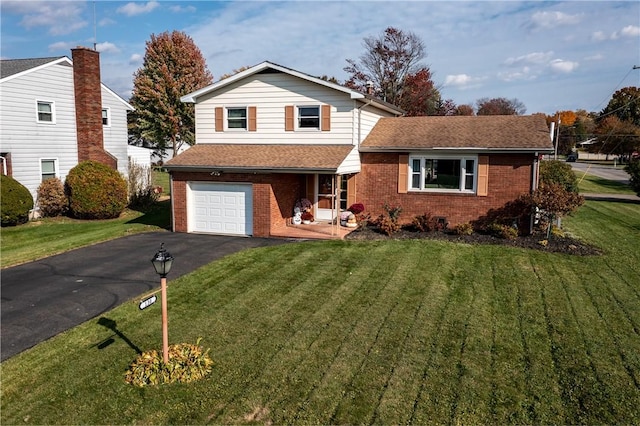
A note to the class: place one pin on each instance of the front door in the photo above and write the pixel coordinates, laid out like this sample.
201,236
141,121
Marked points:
324,189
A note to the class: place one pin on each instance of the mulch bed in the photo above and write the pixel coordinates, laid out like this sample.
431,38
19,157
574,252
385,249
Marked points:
555,244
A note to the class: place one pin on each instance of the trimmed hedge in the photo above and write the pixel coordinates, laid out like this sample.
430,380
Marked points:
95,191
16,202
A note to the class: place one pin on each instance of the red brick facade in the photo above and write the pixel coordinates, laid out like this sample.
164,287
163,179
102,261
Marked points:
274,196
88,99
509,176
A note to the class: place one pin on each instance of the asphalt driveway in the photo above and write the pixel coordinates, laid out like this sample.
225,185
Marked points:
46,297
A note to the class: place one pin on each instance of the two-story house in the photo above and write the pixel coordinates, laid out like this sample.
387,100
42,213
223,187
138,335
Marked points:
54,113
270,135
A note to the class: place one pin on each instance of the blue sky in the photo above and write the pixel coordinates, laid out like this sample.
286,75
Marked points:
549,55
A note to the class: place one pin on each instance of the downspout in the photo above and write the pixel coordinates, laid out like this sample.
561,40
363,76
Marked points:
534,185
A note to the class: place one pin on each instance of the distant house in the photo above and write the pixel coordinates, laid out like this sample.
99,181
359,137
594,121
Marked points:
54,113
270,135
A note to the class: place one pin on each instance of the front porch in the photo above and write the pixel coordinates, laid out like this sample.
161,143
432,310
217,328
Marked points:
318,230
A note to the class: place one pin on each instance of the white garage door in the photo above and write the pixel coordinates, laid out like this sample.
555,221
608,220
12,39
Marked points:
220,208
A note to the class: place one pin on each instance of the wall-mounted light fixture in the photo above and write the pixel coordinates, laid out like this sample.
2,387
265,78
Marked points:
216,173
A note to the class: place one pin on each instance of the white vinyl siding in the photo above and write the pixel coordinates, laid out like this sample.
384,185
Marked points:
274,92
28,140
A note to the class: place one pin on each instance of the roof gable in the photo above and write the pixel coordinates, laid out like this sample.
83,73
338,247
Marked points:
266,67
490,132
12,68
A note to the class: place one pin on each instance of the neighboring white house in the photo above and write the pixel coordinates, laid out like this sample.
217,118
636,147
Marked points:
54,114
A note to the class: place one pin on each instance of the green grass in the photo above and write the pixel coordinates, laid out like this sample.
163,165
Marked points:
161,178
49,236
345,332
592,184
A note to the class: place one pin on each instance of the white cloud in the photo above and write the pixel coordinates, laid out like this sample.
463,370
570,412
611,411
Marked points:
61,45
59,17
530,58
598,36
561,66
524,74
596,57
462,81
631,31
133,9
182,9
553,19
107,47
105,22
135,59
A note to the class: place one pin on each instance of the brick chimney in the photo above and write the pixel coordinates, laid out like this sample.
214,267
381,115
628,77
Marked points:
88,94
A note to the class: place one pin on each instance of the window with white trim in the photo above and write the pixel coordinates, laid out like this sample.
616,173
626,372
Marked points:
106,117
48,168
45,112
443,173
309,117
237,118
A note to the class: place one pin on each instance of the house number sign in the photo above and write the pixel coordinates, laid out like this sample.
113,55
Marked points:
147,302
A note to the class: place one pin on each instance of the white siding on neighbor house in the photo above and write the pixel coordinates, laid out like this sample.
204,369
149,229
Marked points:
115,135
29,141
351,163
139,155
270,93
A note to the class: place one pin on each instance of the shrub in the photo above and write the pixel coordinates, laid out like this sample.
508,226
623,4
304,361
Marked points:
95,191
141,191
463,229
51,199
554,201
388,223
558,172
16,202
187,363
425,223
503,231
633,168
356,208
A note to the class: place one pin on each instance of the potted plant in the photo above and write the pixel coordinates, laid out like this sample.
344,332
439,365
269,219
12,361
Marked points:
307,217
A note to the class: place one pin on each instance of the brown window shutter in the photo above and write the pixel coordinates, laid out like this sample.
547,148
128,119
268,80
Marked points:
403,173
326,118
483,175
219,119
253,124
351,191
288,118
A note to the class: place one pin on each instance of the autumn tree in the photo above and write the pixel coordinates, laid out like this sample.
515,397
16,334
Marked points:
392,64
465,109
624,104
617,137
500,106
566,131
173,66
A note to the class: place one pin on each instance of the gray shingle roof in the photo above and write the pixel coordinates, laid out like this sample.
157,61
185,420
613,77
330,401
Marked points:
9,67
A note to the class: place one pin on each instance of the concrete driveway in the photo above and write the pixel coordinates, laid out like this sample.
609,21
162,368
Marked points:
43,298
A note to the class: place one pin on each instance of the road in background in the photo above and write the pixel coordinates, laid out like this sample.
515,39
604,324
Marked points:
606,172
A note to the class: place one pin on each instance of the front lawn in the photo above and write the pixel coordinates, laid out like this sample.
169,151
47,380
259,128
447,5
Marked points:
46,237
385,332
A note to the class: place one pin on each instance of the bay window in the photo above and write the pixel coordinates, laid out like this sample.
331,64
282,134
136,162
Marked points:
442,173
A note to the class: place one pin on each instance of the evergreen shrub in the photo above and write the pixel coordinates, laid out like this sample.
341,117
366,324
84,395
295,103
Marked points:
15,203
95,191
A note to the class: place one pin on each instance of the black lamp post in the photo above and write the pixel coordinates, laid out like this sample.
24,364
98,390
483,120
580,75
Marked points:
162,262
